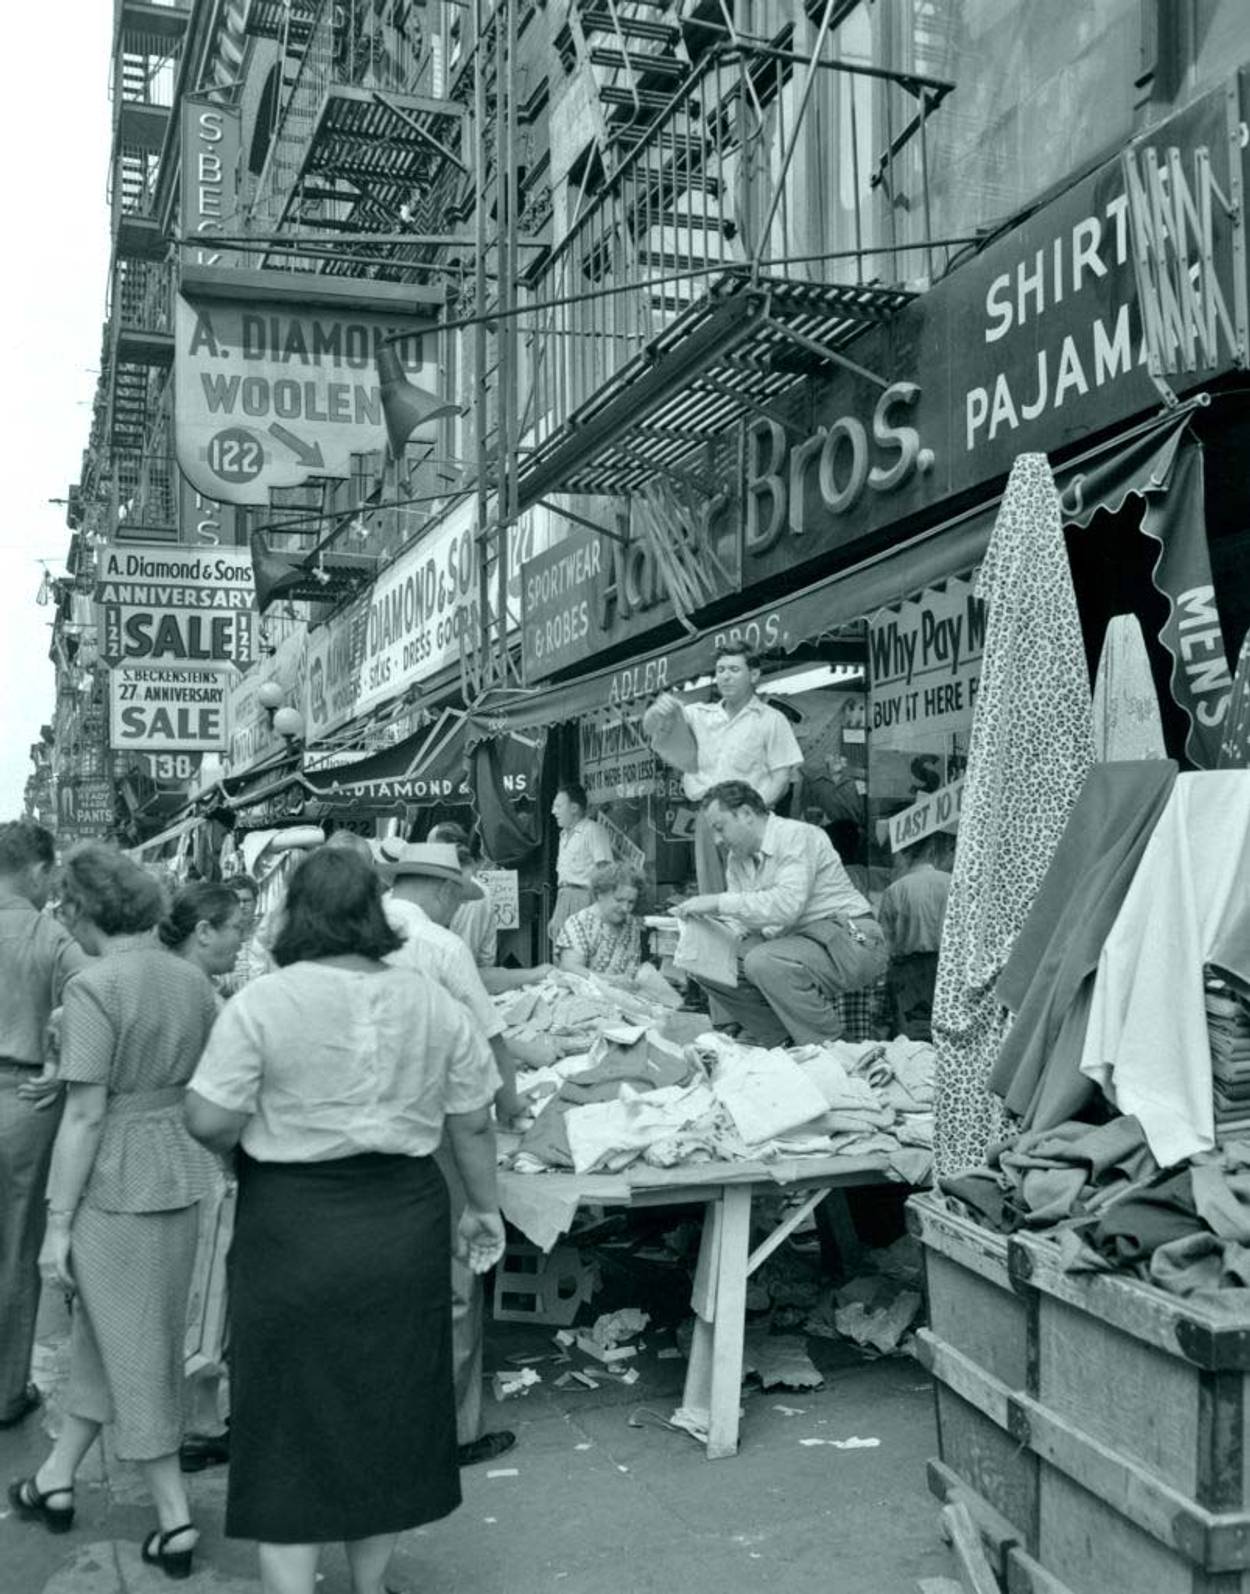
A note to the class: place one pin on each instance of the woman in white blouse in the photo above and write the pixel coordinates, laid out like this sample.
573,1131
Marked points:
336,1077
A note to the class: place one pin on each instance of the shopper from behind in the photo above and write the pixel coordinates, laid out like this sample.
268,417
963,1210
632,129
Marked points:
204,925
739,738
807,936
605,938
337,1076
429,882
122,1195
911,912
583,844
37,957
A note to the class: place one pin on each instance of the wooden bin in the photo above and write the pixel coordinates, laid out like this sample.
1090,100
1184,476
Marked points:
1096,1426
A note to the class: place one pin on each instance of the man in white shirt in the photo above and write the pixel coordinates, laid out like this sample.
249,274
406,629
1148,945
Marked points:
583,844
739,738
427,884
807,935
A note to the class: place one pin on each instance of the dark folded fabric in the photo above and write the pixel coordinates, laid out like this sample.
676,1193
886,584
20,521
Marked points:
985,1199
1048,980
1131,1231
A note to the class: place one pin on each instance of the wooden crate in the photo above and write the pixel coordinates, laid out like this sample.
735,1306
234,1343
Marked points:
1096,1426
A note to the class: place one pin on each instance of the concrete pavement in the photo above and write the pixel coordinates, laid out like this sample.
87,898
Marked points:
586,1503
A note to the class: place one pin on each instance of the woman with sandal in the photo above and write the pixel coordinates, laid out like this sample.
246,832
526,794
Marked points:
337,1077
122,1195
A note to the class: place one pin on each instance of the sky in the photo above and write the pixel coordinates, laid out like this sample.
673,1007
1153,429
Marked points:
55,126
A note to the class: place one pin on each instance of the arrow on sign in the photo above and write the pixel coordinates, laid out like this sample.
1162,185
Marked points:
307,454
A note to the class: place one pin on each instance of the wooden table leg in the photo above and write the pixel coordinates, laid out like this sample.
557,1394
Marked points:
714,1375
729,1323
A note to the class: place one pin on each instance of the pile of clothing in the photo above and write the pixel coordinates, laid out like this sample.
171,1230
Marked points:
1228,1030
572,1009
1097,1190
646,1098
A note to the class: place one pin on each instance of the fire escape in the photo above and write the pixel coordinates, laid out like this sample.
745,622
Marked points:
364,142
695,285
138,472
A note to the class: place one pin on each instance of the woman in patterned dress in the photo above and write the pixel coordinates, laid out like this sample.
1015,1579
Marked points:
122,1193
606,937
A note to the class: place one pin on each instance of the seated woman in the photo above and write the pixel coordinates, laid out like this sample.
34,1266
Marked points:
606,937
204,925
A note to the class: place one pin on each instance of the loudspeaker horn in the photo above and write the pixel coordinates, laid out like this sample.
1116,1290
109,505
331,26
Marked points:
405,406
275,577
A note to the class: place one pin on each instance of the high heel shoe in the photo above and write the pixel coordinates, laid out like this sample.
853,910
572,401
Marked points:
174,1563
32,1505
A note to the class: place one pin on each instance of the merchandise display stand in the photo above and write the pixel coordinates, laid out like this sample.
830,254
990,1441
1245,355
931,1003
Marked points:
543,1205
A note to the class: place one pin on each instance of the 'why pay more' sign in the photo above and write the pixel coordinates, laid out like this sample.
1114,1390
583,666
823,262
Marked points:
924,660
268,397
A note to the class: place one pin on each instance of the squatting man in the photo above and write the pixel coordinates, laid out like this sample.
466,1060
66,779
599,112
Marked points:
806,935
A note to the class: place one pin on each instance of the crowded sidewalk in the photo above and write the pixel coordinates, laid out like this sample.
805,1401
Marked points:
585,1502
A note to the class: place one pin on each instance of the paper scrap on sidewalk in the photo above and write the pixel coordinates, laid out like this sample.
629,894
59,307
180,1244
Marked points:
780,1361
504,1472
852,1443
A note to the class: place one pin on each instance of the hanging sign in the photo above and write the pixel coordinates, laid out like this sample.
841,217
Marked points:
938,811
924,666
270,393
168,710
208,186
184,606
408,626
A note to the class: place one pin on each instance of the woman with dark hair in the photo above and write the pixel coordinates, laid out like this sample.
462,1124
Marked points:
204,925
122,1194
337,1077
605,938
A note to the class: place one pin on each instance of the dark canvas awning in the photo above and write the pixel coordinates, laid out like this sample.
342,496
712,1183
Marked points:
424,769
1140,464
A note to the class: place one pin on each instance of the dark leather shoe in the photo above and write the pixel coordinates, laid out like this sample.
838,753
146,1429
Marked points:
488,1448
31,1401
199,1450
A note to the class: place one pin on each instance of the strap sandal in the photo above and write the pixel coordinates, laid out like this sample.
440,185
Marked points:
32,1505
174,1563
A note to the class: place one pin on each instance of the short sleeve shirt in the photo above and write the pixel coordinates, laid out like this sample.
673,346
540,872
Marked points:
604,948
755,742
582,846
474,923
443,957
136,1021
37,957
330,1062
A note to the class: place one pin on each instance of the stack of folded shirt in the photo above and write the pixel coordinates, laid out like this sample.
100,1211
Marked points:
1228,1026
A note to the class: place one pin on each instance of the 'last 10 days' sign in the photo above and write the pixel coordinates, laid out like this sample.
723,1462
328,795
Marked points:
268,395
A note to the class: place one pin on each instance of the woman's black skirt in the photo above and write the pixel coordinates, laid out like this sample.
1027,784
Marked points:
343,1420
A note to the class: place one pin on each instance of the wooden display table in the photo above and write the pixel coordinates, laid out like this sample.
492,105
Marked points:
542,1206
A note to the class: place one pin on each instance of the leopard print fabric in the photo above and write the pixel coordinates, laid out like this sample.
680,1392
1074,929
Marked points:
1030,750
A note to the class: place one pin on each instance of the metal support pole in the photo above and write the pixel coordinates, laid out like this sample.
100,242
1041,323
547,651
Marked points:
808,84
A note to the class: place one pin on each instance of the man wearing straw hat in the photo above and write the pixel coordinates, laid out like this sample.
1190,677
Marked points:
738,738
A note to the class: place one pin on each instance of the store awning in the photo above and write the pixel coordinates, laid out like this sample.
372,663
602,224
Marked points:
424,769
147,850
1139,463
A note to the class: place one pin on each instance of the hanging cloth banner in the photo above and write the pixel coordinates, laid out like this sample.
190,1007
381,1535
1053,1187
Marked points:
504,777
1165,469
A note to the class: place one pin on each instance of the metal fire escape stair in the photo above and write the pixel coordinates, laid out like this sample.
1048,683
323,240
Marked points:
635,53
